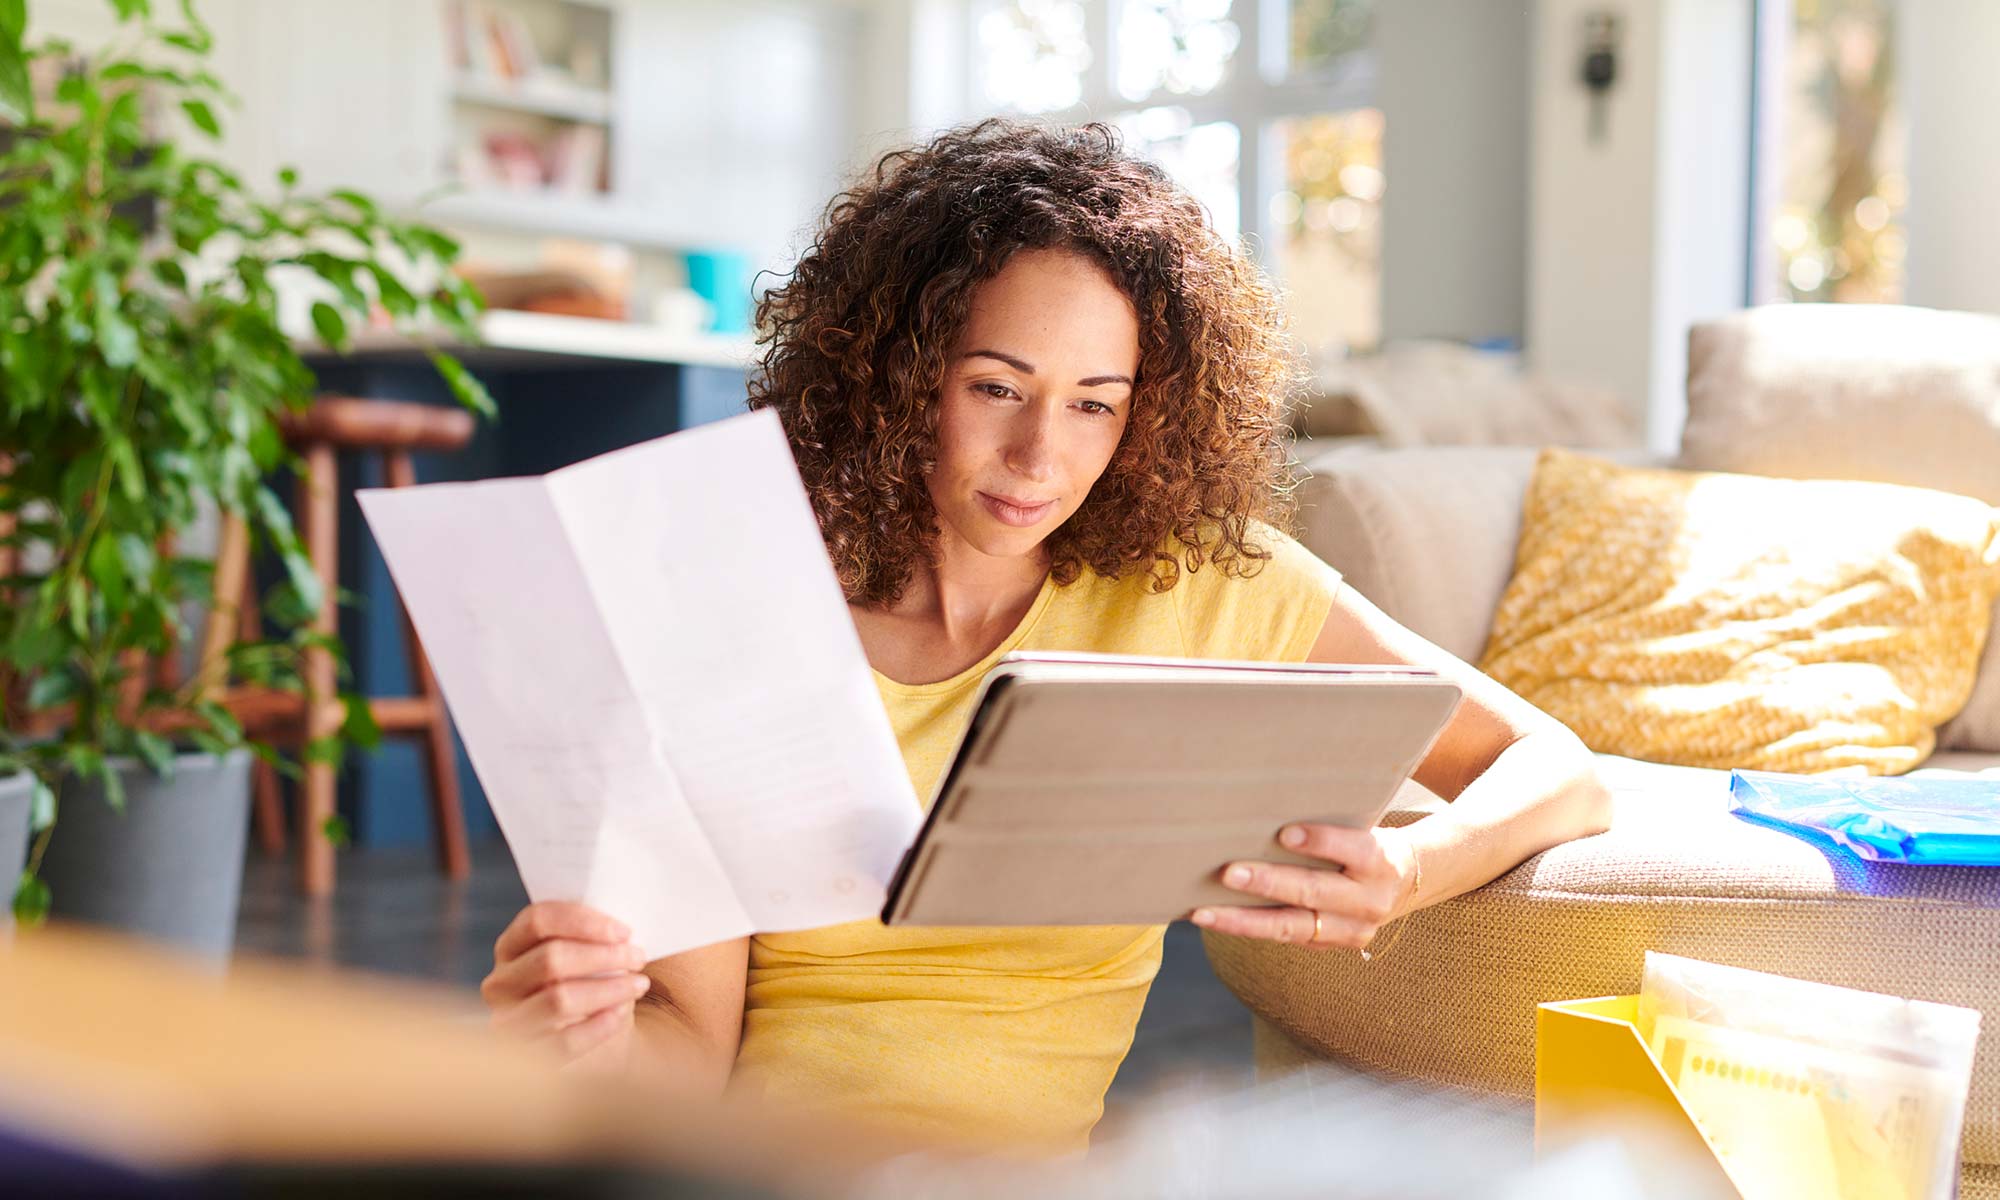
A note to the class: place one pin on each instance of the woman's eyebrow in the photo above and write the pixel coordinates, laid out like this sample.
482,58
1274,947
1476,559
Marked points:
1025,369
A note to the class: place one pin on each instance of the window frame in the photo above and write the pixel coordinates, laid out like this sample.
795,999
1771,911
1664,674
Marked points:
1258,92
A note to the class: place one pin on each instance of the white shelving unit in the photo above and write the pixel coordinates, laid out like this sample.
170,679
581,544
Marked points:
530,89
562,102
548,337
600,217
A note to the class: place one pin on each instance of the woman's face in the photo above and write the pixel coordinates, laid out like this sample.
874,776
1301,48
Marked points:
1035,399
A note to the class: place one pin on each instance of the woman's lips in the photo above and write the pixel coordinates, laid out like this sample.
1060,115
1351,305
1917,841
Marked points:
1009,513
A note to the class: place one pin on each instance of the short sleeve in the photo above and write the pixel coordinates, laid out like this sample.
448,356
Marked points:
1274,615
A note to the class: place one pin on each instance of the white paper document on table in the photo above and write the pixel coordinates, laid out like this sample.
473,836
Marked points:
653,669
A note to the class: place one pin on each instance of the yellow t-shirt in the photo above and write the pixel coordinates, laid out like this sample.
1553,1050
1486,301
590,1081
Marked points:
1003,1038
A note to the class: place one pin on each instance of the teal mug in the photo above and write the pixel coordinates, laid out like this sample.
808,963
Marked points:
722,277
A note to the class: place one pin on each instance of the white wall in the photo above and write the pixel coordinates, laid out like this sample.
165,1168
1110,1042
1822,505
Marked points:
737,116
735,121
1949,73
1454,98
1637,235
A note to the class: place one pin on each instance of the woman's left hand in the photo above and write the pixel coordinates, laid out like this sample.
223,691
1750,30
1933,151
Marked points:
1342,905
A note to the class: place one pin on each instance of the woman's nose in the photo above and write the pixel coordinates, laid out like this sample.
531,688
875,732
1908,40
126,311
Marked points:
1031,454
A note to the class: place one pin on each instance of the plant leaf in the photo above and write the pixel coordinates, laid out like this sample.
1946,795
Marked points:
117,340
17,93
359,726
464,385
331,325
41,805
337,831
358,202
31,900
51,688
107,571
203,117
114,786
156,751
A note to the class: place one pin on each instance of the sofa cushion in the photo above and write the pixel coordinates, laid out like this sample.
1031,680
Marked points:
1426,534
1848,391
1454,1002
1725,620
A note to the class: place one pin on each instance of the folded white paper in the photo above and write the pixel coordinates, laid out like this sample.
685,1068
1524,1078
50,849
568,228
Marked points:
654,672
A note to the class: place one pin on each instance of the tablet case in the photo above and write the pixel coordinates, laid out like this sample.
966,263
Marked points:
1107,790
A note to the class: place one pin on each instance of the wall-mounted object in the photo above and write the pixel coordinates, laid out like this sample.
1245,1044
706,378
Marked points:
1599,70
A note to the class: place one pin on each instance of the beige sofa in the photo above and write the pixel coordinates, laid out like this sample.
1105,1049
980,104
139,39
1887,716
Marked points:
1899,395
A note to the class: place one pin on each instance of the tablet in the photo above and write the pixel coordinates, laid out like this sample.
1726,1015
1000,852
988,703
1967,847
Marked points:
1095,789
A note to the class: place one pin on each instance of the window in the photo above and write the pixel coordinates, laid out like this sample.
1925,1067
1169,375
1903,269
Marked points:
1263,109
1837,231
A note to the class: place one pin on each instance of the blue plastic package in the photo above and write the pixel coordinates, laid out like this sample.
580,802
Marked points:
1928,822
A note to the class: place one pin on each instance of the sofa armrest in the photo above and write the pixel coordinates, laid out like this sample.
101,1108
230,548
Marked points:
1427,534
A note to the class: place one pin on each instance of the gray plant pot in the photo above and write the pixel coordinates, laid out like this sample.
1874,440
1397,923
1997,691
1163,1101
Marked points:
14,793
170,867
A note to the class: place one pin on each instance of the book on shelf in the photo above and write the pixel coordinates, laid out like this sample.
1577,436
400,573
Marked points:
489,42
576,160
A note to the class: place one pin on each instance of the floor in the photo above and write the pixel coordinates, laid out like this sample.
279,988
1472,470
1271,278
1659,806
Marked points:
393,913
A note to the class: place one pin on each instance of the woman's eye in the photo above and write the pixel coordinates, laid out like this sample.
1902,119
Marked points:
1098,408
999,390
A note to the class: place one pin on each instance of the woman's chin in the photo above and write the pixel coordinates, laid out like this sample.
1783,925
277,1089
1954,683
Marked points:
996,539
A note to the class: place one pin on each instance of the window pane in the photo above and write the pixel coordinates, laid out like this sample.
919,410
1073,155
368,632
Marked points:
1323,32
1180,46
1204,159
1326,229
1839,225
1032,54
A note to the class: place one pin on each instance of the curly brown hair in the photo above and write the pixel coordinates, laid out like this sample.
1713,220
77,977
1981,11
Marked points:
858,337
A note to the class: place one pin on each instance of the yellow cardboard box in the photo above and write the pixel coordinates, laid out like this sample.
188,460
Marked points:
1594,1077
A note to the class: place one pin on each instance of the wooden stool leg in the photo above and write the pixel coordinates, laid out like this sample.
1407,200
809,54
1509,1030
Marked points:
448,818
232,562
268,801
319,508
268,809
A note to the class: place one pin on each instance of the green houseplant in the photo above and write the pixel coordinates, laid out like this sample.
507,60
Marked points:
143,372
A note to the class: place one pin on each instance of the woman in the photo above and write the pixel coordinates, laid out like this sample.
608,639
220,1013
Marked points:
1038,404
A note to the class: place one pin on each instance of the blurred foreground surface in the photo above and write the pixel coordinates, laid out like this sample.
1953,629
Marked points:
125,1072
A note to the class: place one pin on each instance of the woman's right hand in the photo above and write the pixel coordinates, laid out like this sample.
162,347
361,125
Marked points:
567,976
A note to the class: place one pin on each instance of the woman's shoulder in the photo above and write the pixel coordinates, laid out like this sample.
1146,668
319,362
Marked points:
1262,596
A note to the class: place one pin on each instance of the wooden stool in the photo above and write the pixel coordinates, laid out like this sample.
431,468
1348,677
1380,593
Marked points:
334,424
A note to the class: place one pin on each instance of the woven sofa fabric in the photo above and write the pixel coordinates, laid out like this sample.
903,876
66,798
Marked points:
1454,1002
1844,391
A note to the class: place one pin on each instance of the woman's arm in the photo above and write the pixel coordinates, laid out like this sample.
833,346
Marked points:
687,1027
1519,783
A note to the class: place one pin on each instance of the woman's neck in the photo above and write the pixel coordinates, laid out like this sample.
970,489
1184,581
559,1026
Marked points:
968,592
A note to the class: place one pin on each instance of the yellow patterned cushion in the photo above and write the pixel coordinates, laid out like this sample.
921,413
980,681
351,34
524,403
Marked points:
1717,620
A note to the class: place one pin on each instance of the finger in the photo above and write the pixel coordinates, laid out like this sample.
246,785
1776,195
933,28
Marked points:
556,919
1354,849
561,1005
585,1036
1307,888
555,960
1292,925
